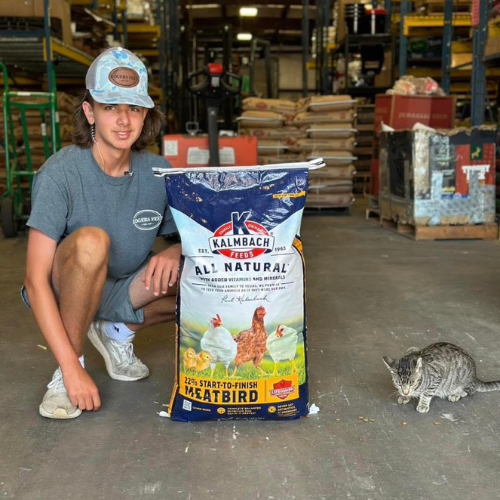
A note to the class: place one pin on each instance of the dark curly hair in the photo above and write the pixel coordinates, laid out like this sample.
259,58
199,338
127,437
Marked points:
81,127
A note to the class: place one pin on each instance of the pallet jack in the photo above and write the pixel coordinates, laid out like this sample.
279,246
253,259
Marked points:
199,150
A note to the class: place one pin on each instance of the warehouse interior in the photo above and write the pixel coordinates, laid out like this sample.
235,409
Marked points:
397,101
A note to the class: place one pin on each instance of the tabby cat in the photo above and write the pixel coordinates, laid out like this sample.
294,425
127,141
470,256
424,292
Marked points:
442,369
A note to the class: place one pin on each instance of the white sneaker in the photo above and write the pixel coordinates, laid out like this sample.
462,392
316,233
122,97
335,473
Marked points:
121,362
56,403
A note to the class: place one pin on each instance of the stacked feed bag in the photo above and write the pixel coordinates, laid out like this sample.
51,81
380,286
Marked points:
271,121
328,123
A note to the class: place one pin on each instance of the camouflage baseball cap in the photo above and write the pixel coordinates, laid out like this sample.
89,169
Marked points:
119,77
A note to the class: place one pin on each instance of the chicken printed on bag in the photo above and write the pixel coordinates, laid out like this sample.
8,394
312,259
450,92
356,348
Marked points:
252,342
204,361
196,362
189,359
282,346
218,342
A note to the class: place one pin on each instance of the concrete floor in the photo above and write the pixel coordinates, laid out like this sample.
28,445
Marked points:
370,293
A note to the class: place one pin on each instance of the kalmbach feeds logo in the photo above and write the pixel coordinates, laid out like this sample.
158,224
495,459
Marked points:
147,219
241,238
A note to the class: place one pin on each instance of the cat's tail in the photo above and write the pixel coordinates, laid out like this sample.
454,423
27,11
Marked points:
487,386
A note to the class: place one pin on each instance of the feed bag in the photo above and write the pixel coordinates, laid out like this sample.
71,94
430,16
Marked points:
241,309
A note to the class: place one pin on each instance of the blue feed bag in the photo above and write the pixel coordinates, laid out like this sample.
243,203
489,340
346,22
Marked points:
241,318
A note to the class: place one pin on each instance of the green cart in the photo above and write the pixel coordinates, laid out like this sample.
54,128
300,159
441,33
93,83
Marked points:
16,200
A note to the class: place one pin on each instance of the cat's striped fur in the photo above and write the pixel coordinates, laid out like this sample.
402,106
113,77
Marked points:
443,370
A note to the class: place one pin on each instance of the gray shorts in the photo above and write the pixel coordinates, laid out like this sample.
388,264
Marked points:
115,304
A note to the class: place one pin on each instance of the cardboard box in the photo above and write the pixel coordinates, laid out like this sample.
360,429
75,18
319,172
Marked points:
492,46
402,112
385,77
464,60
59,9
435,178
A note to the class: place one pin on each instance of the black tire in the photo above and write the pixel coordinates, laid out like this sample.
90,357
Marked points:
9,223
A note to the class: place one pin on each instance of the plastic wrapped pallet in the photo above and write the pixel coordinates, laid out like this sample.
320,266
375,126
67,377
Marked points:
241,292
438,177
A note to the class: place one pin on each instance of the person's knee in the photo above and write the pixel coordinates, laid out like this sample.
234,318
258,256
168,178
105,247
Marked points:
90,246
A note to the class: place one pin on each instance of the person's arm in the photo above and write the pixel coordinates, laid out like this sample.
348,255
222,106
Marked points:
162,269
81,389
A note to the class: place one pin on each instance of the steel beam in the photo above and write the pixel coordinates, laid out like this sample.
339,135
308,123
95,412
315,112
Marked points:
478,80
403,48
327,88
124,28
388,8
319,44
51,84
305,46
114,18
446,51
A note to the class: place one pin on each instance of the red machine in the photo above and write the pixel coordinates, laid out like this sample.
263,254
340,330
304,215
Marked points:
186,151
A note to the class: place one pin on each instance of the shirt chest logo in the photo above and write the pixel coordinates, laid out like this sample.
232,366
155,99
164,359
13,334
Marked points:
147,219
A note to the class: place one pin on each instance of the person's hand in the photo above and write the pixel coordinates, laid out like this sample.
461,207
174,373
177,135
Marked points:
82,391
162,270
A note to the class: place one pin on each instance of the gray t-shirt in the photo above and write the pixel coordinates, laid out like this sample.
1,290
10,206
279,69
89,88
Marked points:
70,191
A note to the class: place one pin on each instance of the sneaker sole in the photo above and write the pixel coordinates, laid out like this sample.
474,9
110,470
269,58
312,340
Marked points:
97,342
59,414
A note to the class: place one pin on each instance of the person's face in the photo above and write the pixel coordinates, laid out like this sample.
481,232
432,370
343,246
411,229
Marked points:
116,125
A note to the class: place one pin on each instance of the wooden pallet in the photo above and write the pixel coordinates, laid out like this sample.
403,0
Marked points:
422,233
372,215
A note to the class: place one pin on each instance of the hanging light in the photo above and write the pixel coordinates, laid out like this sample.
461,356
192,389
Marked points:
248,11
244,37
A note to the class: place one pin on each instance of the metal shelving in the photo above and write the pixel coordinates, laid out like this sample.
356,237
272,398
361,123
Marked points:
37,53
30,54
434,21
351,42
475,72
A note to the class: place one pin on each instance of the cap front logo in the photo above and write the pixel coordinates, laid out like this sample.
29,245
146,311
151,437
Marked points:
124,77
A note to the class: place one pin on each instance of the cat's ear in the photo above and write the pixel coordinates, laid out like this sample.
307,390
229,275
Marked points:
419,364
390,363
